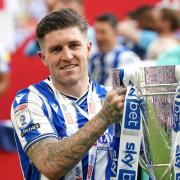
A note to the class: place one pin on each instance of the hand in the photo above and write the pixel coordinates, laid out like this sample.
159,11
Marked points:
112,109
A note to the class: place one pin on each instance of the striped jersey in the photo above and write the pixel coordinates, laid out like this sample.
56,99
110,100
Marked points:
100,63
41,111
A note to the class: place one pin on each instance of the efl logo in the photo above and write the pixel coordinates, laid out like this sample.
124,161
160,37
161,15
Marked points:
125,174
22,107
132,118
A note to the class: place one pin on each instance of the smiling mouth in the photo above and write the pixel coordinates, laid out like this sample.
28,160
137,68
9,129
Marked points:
68,67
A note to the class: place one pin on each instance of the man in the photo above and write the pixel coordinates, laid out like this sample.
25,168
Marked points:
109,54
61,129
140,29
169,22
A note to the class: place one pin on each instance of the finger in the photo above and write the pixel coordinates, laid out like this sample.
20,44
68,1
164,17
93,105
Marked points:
121,91
121,105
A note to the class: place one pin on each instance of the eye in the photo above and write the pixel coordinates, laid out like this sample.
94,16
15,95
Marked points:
56,49
74,45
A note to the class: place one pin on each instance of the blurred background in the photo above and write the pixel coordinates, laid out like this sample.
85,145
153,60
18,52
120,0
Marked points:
147,28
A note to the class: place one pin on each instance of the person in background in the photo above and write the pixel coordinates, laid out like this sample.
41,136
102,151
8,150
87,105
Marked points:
109,53
168,25
53,5
140,29
78,5
62,129
4,69
7,142
32,46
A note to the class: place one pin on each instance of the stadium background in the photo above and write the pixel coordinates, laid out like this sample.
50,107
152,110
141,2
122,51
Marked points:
26,71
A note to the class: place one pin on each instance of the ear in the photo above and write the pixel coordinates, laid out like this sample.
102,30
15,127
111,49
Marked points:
42,57
89,48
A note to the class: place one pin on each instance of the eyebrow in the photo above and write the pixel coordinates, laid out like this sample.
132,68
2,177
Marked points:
59,45
54,46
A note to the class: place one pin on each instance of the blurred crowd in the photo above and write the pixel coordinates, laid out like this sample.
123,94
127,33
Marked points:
146,34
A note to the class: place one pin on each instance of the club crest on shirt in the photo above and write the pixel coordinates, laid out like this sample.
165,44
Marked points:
22,116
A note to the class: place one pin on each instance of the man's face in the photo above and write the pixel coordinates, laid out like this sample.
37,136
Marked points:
66,52
105,36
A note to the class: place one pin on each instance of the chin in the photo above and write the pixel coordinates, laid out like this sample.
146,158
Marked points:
70,81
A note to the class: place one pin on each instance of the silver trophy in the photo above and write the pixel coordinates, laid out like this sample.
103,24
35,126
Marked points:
157,86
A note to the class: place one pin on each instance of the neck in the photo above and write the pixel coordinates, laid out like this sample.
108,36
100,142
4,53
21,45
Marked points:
75,89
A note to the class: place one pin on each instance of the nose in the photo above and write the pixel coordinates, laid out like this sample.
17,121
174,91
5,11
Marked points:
66,54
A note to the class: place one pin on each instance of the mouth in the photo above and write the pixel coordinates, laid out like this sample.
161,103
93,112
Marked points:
69,67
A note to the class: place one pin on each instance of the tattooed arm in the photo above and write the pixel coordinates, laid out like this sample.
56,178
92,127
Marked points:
54,158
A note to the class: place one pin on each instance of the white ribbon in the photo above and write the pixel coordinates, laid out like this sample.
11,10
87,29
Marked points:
130,139
176,135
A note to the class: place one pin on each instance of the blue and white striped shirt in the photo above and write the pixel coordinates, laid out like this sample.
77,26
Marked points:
100,63
36,114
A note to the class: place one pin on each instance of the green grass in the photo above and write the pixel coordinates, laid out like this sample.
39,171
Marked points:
160,144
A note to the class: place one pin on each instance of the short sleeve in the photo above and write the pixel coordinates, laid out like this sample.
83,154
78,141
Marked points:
31,118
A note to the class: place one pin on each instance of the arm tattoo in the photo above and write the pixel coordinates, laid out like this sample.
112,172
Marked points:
55,158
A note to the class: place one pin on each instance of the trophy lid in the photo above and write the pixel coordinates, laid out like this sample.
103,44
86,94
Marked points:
149,80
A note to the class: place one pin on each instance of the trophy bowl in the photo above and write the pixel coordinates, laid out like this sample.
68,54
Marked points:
157,87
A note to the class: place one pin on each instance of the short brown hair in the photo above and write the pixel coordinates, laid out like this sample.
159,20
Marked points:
108,18
172,16
61,19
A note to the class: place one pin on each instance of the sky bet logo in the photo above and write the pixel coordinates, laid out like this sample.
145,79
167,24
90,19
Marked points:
132,117
125,174
129,152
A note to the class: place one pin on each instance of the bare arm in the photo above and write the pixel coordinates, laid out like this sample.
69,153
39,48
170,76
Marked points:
54,158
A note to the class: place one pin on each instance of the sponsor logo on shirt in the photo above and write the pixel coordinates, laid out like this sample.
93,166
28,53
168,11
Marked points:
103,142
29,129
